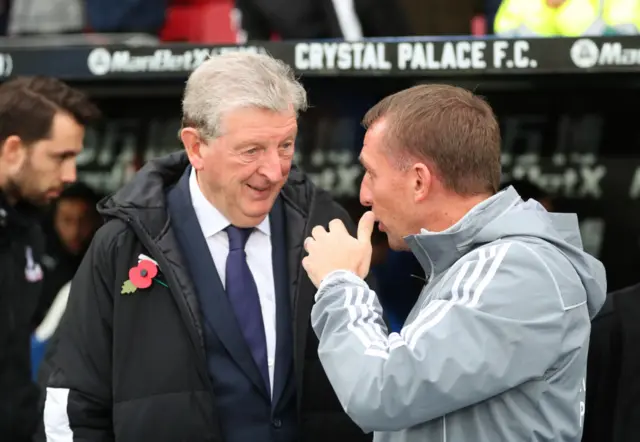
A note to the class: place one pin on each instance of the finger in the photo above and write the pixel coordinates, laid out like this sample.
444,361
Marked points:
308,242
318,232
305,264
365,227
337,225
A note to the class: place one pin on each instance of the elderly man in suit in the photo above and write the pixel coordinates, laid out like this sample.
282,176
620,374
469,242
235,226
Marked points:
189,318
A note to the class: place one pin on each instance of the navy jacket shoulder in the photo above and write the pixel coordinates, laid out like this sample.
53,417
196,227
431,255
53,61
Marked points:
613,385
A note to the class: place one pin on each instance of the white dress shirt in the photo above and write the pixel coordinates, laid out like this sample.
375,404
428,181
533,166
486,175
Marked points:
258,250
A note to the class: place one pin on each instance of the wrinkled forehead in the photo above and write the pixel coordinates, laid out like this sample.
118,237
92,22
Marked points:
259,125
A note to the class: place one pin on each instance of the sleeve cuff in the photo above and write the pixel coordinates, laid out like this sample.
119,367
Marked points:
338,277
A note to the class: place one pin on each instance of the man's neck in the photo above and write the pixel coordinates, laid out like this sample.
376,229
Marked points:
452,208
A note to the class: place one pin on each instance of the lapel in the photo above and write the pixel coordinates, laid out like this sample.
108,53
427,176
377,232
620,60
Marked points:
283,305
217,313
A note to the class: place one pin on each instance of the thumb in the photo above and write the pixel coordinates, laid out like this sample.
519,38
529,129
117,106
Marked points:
365,227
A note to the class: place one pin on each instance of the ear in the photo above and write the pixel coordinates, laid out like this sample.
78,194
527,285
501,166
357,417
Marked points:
13,152
193,144
422,178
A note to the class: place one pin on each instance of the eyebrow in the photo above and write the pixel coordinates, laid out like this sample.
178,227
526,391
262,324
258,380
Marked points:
67,153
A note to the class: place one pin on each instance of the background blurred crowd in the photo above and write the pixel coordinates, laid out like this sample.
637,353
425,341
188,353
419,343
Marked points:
242,20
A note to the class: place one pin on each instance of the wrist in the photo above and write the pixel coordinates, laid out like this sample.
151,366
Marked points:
338,277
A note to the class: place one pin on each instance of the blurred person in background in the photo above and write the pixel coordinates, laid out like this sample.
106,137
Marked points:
188,319
567,18
495,349
42,125
74,220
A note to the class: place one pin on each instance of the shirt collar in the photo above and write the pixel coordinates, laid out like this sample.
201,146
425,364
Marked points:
211,220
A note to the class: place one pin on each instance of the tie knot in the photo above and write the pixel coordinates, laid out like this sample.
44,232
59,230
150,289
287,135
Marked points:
238,237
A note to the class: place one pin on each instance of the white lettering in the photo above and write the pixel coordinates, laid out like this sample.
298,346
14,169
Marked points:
455,55
499,53
101,61
591,177
347,181
449,56
519,59
615,54
301,56
342,56
405,55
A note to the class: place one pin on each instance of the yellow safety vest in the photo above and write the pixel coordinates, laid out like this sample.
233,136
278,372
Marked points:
574,18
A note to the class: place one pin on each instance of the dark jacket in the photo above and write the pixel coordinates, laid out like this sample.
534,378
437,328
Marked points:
21,248
59,268
134,366
613,370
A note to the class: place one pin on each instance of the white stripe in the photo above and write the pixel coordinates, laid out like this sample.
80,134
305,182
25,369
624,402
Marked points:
384,354
475,275
56,419
408,331
348,19
373,322
395,341
354,318
499,256
364,318
500,253
51,321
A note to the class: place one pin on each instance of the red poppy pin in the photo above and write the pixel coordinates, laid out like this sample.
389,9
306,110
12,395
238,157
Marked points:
141,276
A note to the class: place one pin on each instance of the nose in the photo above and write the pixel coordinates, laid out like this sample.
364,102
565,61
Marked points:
68,172
366,198
272,166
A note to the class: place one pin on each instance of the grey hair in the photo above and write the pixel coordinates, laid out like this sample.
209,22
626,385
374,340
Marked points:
236,80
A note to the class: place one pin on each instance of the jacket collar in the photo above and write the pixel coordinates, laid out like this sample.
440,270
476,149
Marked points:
437,251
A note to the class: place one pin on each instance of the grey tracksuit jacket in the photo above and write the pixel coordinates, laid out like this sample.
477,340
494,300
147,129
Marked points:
495,349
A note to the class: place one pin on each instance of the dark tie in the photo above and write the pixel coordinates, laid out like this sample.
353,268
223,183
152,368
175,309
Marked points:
243,295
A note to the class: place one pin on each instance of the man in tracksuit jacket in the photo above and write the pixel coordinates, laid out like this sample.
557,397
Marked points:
495,348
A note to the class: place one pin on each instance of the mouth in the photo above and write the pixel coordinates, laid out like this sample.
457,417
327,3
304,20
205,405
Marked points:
260,191
54,193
